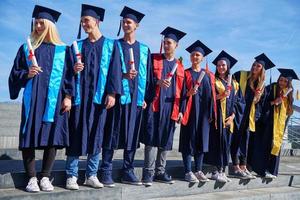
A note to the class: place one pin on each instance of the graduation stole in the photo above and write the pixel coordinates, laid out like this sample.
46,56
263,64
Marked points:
214,95
107,50
189,85
157,70
244,75
142,76
280,117
53,87
221,89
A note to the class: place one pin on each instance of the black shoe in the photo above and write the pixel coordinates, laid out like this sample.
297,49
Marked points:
164,178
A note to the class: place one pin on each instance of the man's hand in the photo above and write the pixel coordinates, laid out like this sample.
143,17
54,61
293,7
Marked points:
131,74
66,104
78,67
110,101
164,83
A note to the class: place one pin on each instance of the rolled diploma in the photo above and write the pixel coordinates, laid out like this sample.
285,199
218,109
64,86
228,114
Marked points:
76,51
31,52
287,92
170,75
132,66
199,80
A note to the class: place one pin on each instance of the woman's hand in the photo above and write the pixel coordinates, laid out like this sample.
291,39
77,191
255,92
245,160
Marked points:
277,101
179,119
33,71
229,120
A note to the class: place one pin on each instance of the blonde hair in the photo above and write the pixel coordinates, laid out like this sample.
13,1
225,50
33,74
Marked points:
50,34
260,79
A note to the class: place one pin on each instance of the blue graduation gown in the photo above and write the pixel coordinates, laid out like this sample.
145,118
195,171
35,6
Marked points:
220,138
124,120
262,159
194,137
242,138
157,127
87,119
39,134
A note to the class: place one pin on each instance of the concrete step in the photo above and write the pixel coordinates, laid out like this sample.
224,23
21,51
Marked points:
273,193
236,189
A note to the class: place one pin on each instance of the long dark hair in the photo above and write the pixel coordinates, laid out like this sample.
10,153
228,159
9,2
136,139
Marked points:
290,95
227,71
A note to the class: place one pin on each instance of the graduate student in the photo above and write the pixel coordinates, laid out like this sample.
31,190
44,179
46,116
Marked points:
123,123
252,86
161,115
229,110
277,109
98,83
195,125
48,90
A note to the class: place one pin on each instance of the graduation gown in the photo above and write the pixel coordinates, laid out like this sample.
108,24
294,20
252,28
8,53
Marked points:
194,136
124,120
242,138
220,138
87,119
157,127
38,133
263,158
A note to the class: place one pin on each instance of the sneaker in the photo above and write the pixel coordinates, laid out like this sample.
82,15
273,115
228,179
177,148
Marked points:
226,178
164,178
93,182
147,178
71,183
130,178
46,185
218,177
106,179
269,175
32,185
240,174
201,177
190,177
251,176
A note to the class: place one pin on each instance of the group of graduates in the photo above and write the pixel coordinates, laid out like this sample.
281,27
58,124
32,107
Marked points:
101,95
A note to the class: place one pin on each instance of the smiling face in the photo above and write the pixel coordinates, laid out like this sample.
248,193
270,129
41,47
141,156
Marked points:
196,58
129,25
40,26
89,23
256,68
169,45
283,82
222,67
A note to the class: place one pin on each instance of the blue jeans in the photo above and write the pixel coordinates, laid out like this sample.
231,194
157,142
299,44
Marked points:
91,167
187,162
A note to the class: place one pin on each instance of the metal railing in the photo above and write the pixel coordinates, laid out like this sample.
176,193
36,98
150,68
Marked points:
292,135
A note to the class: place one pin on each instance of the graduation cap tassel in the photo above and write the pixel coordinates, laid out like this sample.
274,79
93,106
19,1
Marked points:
270,76
161,45
298,95
119,31
79,32
31,25
206,66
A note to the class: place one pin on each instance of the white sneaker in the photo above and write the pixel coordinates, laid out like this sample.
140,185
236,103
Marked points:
201,177
270,176
32,185
218,177
71,183
93,181
190,177
46,185
226,178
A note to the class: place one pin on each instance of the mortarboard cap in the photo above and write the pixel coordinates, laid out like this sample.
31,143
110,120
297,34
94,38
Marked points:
265,61
288,73
40,12
173,33
93,11
231,61
132,14
200,47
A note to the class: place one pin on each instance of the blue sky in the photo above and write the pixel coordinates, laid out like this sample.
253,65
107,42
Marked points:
244,28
